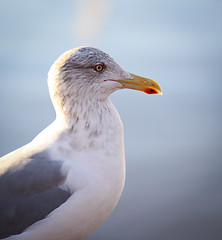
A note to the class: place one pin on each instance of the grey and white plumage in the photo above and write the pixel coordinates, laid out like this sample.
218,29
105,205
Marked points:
65,183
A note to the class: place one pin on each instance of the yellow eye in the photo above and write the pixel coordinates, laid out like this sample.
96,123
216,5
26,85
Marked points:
98,67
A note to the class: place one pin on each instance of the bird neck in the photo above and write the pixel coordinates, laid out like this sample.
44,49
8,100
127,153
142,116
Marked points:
93,125
88,115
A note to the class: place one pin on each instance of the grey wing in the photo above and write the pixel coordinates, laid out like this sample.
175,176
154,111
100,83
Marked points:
29,190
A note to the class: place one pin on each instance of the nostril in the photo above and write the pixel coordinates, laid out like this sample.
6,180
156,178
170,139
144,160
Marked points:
143,81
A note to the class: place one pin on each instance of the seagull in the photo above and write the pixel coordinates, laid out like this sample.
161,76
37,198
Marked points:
69,178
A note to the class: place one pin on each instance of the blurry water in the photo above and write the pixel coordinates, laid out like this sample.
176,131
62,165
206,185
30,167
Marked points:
173,142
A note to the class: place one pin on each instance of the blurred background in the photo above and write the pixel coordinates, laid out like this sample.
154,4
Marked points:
173,142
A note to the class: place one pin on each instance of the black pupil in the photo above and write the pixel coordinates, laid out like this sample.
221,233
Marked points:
99,67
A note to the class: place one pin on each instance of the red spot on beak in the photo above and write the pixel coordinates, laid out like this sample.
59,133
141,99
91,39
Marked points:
151,91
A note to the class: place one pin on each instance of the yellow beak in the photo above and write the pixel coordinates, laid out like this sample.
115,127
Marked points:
146,85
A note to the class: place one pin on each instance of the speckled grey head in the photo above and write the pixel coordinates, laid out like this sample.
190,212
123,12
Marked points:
83,72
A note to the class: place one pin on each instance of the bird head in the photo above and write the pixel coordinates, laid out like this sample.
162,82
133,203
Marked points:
89,73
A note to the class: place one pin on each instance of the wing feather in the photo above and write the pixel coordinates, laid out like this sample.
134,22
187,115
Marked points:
30,189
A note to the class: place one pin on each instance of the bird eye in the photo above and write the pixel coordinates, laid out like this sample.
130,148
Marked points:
99,67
